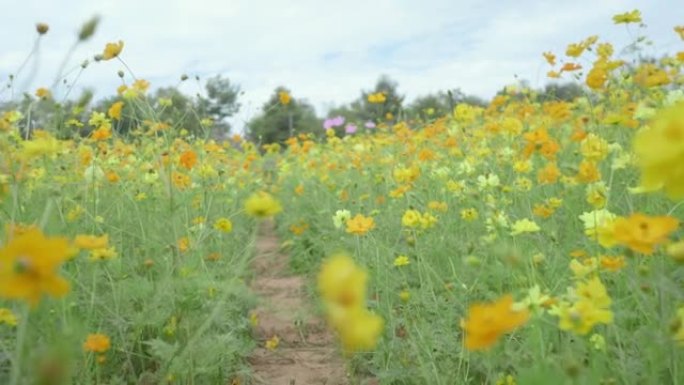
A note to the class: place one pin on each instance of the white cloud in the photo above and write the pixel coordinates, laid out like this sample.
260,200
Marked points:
327,51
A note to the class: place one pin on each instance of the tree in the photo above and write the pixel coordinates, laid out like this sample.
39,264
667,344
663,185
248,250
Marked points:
362,110
430,106
279,121
566,91
378,111
220,103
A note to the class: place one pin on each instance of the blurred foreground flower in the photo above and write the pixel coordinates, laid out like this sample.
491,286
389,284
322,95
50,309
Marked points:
342,284
262,204
660,152
486,322
29,267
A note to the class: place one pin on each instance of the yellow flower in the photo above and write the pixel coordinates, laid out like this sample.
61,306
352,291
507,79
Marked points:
469,214
598,225
261,205
550,58
575,49
29,267
438,206
360,225
377,98
401,260
43,93
588,172
642,233
591,307
97,343
596,194
37,147
112,50
679,30
411,218
284,97
91,242
360,330
115,110
676,250
660,152
524,226
486,322
341,282
272,343
340,218
223,225
649,75
594,148
103,254
628,17
7,317
597,341
678,327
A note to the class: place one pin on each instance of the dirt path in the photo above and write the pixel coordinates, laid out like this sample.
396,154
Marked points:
306,351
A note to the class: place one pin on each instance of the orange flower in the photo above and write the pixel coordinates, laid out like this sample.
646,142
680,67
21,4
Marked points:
549,174
612,263
642,233
97,343
183,244
102,133
486,322
188,159
569,67
360,224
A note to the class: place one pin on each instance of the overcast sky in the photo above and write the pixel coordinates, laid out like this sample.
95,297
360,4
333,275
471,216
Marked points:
324,51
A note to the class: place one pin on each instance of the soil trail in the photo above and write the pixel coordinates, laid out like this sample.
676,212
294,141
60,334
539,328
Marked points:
306,351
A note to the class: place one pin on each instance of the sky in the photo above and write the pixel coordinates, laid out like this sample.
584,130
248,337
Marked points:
326,52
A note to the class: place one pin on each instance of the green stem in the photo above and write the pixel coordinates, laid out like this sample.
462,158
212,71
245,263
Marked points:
19,347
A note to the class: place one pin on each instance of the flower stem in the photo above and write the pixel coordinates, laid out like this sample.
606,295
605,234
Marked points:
19,347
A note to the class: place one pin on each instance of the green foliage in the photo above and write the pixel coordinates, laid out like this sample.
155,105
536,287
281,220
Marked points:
220,103
278,121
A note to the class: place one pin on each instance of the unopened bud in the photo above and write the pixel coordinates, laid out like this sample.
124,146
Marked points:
42,28
88,29
184,77
120,73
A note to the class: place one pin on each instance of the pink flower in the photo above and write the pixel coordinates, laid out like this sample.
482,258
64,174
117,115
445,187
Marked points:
350,128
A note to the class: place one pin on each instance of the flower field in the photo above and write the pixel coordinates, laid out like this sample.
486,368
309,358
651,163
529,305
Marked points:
527,241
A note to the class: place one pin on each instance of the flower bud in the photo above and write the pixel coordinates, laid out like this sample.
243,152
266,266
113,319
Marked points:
42,28
88,29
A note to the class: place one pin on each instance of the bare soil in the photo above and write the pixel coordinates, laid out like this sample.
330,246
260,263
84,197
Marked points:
306,352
